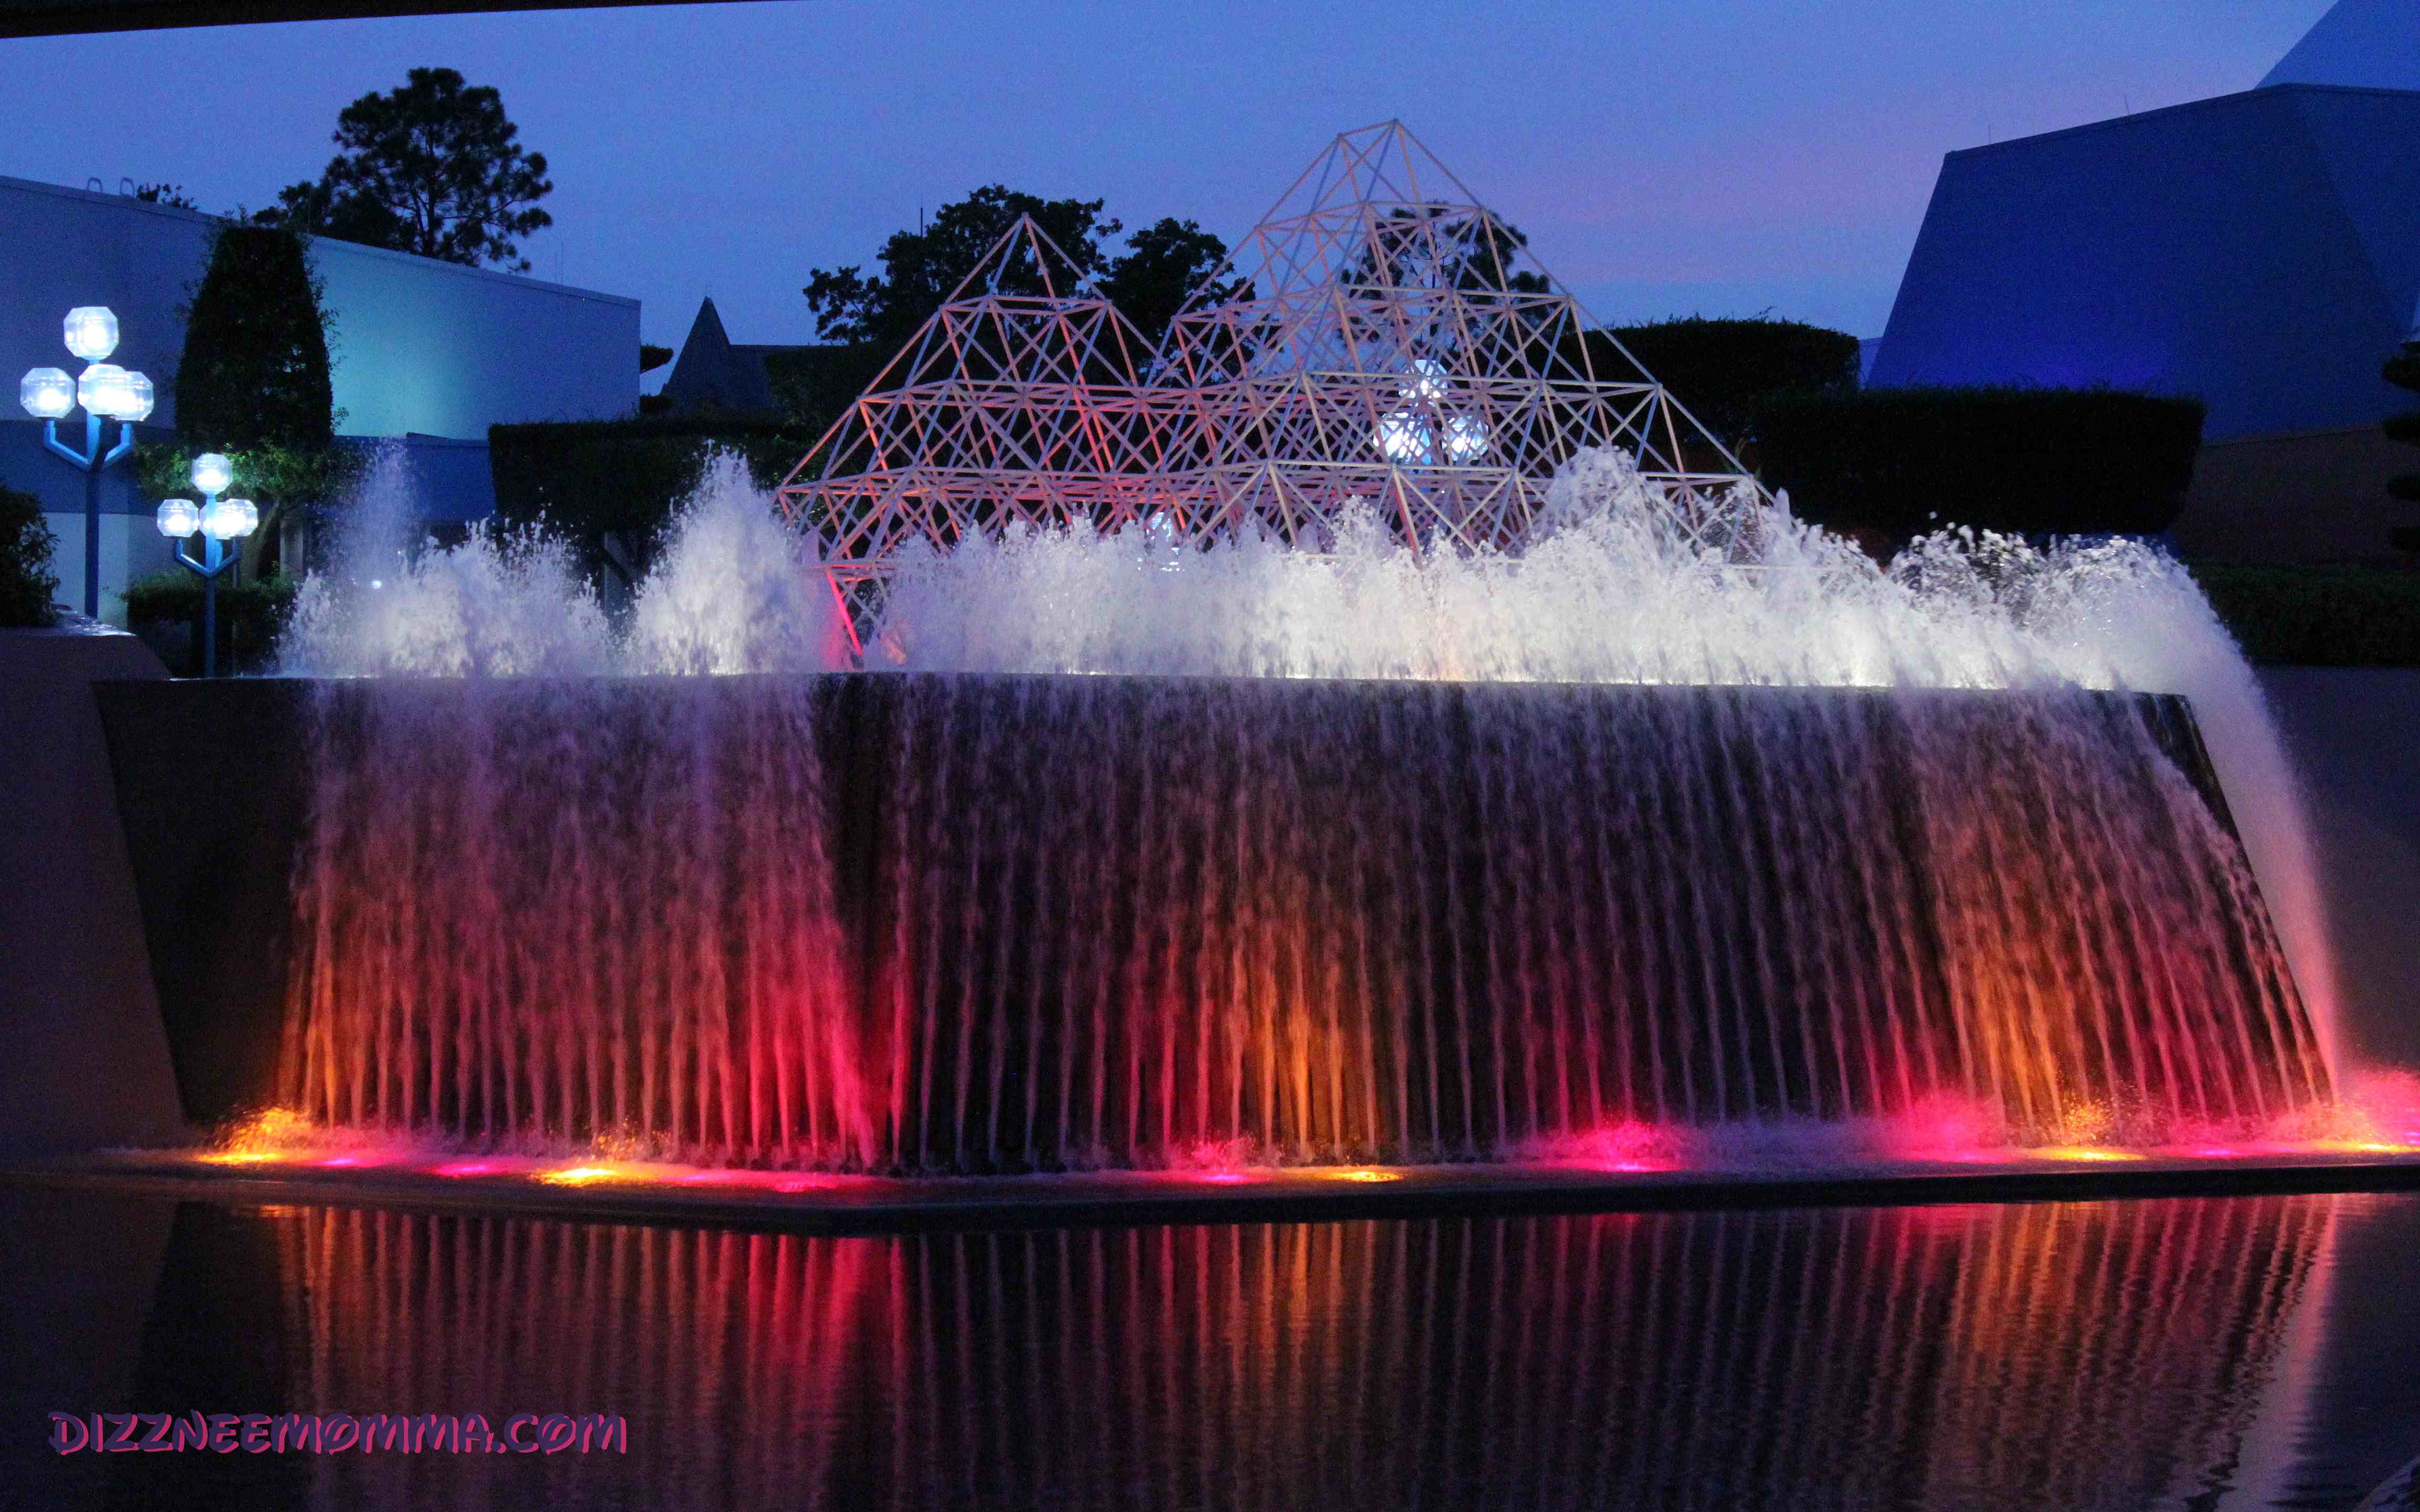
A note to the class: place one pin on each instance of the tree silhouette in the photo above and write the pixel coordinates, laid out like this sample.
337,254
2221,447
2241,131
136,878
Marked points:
431,168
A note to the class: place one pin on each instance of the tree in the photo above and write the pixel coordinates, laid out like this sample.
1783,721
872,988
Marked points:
431,168
27,582
1163,265
253,380
921,268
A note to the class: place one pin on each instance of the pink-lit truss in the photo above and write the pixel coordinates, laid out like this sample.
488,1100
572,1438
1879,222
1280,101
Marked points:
1379,336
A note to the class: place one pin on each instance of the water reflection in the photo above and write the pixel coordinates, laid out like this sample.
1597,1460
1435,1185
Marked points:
2118,1355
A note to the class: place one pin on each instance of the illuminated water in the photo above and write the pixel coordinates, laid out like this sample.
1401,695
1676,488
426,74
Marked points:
2214,1354
1622,833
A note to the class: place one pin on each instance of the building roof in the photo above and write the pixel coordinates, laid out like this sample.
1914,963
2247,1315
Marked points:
713,372
2260,249
2361,43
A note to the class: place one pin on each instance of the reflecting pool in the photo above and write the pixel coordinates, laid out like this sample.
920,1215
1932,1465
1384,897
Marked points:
2203,1354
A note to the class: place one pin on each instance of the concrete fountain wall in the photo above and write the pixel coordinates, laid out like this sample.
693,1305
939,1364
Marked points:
84,1062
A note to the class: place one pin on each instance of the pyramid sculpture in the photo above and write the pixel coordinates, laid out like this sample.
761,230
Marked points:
1380,340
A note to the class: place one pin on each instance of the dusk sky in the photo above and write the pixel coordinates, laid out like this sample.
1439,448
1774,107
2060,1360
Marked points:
1667,158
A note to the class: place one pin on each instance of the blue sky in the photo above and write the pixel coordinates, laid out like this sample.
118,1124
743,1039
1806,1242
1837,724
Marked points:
1720,157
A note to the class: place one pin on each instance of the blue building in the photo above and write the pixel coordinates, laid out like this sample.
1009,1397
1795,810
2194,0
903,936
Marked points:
2260,251
425,354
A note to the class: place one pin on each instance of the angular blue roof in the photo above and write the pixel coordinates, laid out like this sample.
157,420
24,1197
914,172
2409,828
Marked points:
2258,250
2367,44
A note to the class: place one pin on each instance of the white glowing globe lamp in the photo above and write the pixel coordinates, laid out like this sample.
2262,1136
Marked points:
103,389
1465,437
229,518
47,393
146,397
92,331
212,473
1428,381
1402,436
179,518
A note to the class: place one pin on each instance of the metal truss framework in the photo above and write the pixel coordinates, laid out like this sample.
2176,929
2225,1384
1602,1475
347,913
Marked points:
1380,340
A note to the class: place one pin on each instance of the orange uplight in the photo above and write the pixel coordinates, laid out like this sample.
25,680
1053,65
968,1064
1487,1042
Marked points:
1362,1173
241,1157
2081,1153
579,1175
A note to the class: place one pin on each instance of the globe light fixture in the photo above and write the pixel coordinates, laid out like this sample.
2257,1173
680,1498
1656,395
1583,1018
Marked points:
92,331
230,518
178,519
1424,433
1466,437
219,520
1403,438
212,473
103,389
107,391
47,393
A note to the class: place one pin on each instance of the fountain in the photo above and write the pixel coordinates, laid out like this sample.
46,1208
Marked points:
1389,804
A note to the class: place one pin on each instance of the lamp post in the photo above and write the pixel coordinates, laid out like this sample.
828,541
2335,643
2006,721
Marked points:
107,391
219,520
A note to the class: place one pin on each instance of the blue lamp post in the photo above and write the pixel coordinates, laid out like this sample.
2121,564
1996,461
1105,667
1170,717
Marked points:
219,521
107,391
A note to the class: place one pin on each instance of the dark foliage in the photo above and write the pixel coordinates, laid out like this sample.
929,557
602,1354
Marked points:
2318,616
165,609
922,268
608,487
2403,371
2029,461
27,581
1722,370
1163,265
255,369
652,356
433,168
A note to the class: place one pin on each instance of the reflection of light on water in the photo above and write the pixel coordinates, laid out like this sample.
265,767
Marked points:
1479,1361
2086,1152
579,1175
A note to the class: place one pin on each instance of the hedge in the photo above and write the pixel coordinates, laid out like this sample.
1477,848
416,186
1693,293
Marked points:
1723,370
2028,461
2318,616
619,479
251,617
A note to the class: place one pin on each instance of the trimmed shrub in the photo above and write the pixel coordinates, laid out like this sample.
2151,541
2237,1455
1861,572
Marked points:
1722,370
165,609
255,369
2403,371
27,547
608,486
2026,461
2318,616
